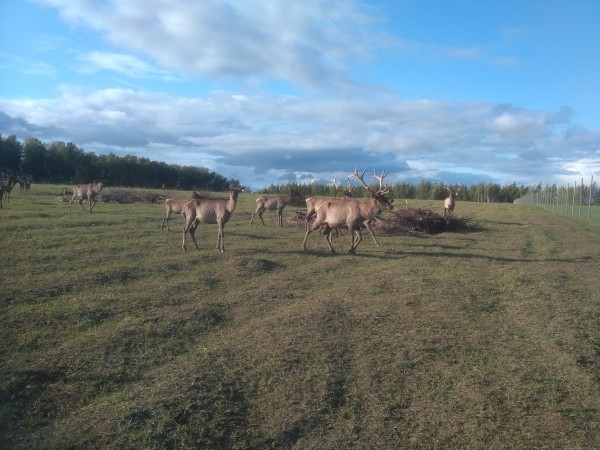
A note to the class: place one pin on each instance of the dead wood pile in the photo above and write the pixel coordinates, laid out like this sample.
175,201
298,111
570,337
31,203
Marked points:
408,220
129,196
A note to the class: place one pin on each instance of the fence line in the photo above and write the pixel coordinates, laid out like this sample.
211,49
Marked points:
564,199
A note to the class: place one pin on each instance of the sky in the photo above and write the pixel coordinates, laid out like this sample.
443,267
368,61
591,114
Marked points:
277,91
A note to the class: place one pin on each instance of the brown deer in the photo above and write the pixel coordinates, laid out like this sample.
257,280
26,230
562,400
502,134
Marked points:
272,203
351,214
209,211
5,188
450,202
174,206
86,191
314,203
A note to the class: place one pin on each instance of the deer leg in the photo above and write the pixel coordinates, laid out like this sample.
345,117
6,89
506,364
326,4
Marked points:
329,237
368,225
315,226
356,238
187,227
193,234
220,243
183,242
307,219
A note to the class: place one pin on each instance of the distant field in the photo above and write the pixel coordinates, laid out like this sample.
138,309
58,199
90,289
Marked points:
112,337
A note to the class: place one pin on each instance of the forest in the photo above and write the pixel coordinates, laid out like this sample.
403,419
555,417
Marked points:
66,163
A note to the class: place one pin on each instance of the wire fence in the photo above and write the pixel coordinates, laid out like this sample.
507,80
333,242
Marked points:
578,200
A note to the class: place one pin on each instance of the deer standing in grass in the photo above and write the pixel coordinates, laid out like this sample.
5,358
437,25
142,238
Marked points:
272,203
6,186
174,206
314,203
209,211
86,191
450,202
351,213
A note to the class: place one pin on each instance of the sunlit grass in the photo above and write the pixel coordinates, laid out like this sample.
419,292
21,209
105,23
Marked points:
114,337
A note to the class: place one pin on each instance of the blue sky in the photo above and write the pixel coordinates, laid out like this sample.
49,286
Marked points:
271,91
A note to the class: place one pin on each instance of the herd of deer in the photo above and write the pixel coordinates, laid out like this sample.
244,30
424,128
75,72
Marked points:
331,213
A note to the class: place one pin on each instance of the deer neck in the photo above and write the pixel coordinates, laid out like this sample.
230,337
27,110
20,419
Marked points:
232,201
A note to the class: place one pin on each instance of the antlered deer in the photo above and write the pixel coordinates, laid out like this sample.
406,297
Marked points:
314,203
450,202
174,206
351,213
86,191
272,203
209,211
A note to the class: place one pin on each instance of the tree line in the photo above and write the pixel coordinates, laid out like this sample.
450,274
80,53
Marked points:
60,162
424,190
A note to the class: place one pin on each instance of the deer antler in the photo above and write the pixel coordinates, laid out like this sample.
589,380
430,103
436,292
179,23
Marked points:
335,184
361,179
382,190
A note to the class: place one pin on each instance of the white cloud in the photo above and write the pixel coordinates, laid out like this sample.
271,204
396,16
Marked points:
124,64
247,136
305,43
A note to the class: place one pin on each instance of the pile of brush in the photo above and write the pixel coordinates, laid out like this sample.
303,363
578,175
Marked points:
409,220
117,195
417,220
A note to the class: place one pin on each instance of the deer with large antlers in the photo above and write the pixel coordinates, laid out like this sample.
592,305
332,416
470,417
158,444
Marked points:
86,191
351,213
314,203
272,203
212,211
450,202
175,206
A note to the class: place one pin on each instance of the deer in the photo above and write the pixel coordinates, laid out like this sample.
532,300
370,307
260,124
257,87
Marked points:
5,188
86,191
351,213
314,203
211,211
272,203
175,206
450,202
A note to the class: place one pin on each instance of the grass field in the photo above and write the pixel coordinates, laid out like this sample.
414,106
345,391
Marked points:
112,337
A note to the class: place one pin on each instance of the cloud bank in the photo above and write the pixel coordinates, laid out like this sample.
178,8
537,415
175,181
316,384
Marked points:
274,139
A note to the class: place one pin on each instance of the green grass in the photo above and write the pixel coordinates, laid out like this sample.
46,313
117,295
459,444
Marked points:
112,337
